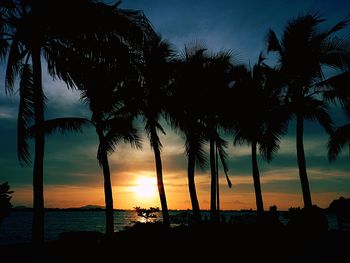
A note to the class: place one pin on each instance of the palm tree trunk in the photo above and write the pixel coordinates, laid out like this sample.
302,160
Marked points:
38,169
217,182
107,187
256,179
192,188
213,212
302,163
161,189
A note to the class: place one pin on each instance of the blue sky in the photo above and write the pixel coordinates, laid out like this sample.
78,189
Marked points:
72,174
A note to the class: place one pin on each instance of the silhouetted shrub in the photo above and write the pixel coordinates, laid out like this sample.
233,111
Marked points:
146,213
307,221
340,206
5,204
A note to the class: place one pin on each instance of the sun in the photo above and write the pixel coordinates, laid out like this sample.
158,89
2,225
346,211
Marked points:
145,187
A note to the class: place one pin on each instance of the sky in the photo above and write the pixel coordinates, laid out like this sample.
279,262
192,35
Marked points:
73,178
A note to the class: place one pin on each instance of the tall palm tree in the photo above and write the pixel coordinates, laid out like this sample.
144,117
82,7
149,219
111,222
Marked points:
198,74
217,76
262,123
184,112
111,129
35,28
154,85
304,51
101,82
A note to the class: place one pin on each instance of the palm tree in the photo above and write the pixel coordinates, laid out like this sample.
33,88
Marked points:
197,75
262,123
111,131
304,52
113,124
187,117
30,29
102,83
156,78
5,201
217,70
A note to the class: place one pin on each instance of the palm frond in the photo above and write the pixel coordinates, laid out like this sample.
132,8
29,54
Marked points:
14,63
25,113
276,125
336,52
269,145
316,110
221,145
62,125
337,87
122,131
339,26
151,127
337,141
273,43
4,46
194,144
240,137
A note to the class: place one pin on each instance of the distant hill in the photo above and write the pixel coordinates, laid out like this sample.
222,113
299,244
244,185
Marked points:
21,207
92,207
84,208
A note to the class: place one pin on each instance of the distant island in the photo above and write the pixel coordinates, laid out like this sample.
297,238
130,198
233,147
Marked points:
82,208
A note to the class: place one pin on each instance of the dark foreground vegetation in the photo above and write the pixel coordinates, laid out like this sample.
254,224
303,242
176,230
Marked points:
263,241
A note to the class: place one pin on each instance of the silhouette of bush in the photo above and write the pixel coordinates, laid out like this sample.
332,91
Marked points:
340,206
307,221
5,204
146,213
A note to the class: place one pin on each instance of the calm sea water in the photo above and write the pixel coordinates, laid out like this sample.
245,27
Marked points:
16,228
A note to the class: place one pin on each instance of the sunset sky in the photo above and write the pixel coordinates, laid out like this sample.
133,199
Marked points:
73,177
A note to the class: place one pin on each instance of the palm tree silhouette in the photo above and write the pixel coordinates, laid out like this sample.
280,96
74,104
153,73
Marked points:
105,83
5,201
111,117
263,122
30,29
215,115
187,117
201,83
304,52
156,74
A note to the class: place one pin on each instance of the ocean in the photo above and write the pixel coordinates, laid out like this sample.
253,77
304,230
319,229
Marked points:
16,228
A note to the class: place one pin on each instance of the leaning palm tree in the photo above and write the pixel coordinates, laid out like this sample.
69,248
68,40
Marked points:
35,28
262,123
112,117
154,84
304,52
